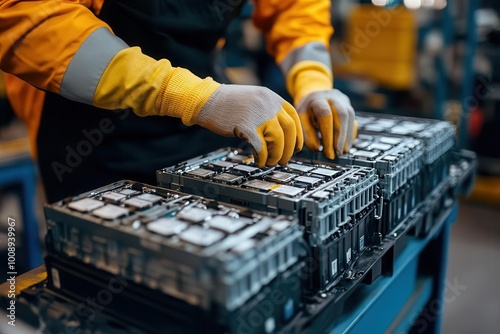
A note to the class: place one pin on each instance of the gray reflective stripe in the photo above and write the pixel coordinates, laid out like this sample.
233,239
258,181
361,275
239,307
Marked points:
314,51
85,69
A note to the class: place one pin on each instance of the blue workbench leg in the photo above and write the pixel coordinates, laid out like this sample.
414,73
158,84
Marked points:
31,226
433,262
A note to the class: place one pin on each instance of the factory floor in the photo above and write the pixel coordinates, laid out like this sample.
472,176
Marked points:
473,299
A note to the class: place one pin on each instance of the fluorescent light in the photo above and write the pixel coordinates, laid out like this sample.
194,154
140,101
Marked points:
380,2
440,4
428,3
413,4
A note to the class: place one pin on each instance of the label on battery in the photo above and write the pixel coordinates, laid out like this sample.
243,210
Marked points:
334,267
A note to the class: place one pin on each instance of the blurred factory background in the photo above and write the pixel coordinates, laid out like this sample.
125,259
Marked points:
425,58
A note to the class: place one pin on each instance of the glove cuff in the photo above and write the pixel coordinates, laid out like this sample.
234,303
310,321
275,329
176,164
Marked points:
306,77
183,94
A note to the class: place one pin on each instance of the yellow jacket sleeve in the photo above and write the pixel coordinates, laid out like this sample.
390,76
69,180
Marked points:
298,36
38,39
290,24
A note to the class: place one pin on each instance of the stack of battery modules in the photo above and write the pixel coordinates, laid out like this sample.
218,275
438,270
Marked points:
335,204
181,257
438,137
398,161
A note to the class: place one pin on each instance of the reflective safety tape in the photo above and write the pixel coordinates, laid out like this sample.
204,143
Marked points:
314,51
88,64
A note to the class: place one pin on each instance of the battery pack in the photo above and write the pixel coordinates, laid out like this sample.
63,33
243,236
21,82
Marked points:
326,199
200,251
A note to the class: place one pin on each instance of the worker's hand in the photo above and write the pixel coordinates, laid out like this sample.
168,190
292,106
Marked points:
326,114
259,116
330,113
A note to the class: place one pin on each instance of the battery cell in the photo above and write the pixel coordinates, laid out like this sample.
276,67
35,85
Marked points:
299,167
245,170
365,154
360,144
167,226
287,190
308,181
194,215
138,203
201,172
380,146
228,178
85,205
114,197
110,212
225,224
260,185
200,236
325,172
391,140
128,192
281,177
150,198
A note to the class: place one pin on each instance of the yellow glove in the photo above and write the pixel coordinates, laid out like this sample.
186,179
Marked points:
256,114
321,109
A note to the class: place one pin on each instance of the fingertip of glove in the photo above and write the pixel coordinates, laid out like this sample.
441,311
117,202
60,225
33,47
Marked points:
329,154
284,161
312,145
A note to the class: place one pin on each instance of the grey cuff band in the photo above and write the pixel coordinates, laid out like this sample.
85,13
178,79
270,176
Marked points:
88,64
